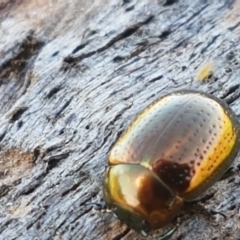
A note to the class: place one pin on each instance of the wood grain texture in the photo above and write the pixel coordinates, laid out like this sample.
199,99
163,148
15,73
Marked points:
73,74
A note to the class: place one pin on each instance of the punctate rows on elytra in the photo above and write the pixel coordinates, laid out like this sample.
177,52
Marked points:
172,152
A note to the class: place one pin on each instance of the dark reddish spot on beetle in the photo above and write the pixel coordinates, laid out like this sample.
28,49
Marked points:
149,179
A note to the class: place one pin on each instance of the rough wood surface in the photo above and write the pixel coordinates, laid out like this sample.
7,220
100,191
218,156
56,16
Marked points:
73,74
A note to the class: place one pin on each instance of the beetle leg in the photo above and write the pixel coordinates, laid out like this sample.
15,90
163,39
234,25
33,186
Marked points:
98,207
201,210
168,234
163,236
213,212
175,198
144,233
230,172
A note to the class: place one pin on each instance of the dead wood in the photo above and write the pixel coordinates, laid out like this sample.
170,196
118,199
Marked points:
73,74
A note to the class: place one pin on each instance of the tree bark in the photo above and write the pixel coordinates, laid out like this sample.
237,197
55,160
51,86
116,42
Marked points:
73,74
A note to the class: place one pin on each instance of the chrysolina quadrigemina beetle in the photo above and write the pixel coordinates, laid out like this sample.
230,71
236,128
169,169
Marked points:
172,152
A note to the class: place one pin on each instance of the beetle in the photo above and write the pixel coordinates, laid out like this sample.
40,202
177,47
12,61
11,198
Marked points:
173,151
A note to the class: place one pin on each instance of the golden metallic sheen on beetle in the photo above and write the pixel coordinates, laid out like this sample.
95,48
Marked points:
171,153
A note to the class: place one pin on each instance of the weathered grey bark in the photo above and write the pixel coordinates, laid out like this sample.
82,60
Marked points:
73,74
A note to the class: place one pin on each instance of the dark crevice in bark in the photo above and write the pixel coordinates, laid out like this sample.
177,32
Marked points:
55,54
54,160
3,134
125,34
7,223
36,219
53,92
230,90
133,54
180,44
62,108
210,43
118,59
38,154
71,189
126,1
102,140
181,237
8,4
121,234
194,15
231,94
4,189
234,27
16,115
233,97
17,65
129,9
80,47
170,2
153,80
207,197
30,188
111,123
74,216
165,34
